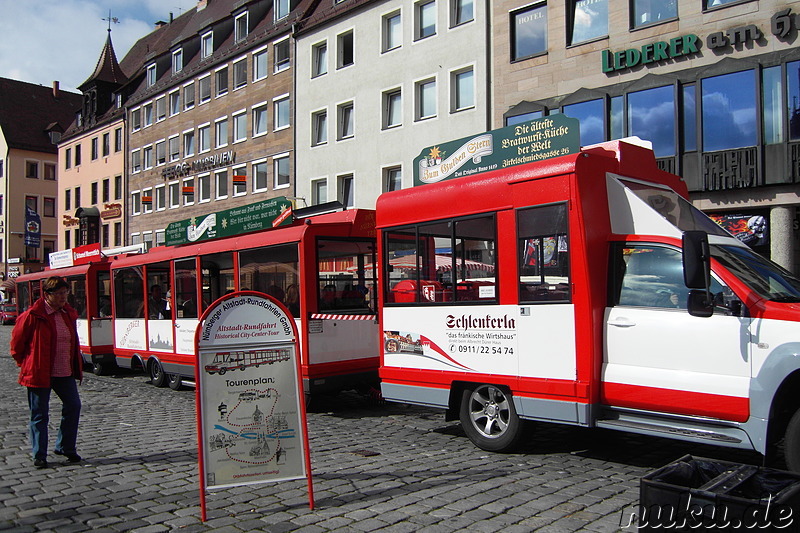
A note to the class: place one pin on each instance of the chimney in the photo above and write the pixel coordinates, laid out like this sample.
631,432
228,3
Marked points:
160,24
55,89
201,4
171,17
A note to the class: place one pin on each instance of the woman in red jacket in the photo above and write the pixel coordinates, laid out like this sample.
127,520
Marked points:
44,343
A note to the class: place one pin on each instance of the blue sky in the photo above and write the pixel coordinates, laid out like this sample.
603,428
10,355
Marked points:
46,40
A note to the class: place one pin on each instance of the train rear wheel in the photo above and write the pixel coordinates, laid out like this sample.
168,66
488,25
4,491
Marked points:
489,418
157,375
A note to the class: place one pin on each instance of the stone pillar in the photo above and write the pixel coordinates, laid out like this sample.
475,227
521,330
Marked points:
781,236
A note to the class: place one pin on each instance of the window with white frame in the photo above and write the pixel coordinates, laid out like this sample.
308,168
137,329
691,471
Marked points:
392,179
161,237
174,148
319,128
161,108
136,161
319,59
240,27
461,12
147,157
161,152
282,58
204,138
240,127
204,188
280,165
188,143
174,194
345,50
151,75
204,87
282,9
206,45
221,184
177,61
136,203
221,132
260,64
260,126
147,238
239,178
259,176
147,110
174,103
147,200
136,119
280,115
345,128
188,191
462,83
426,99
240,73
392,108
188,95
346,193
222,81
319,191
392,31
424,19
161,197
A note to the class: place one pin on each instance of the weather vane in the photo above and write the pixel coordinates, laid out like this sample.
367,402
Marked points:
111,20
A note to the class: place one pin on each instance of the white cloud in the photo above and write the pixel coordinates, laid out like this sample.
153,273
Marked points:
46,40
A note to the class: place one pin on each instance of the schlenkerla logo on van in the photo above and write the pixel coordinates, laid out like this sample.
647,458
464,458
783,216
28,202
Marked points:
467,322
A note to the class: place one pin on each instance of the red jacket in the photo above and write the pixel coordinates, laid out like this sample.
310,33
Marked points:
33,346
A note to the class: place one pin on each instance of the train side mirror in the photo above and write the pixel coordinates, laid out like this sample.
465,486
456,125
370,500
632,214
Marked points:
696,260
699,304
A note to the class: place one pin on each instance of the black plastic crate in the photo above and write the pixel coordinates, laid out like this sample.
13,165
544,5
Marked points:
698,494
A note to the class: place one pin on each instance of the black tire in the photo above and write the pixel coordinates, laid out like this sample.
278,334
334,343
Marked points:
489,418
174,381
98,368
791,444
157,375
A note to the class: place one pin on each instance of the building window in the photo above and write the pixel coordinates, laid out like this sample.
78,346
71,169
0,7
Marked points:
188,96
260,120
651,116
204,188
240,23
345,128
281,166
204,86
319,61
174,148
260,64
281,114
591,116
260,176
151,75
32,202
204,138
529,32
463,87
77,197
106,144
426,99
67,199
221,183
161,198
177,61
117,233
793,99
106,194
524,117
729,111
174,194
161,108
117,187
147,157
188,191
49,207
174,103
392,31
32,169
147,110
281,9
118,140
239,178
77,154
188,143
392,179
346,193
392,109
240,74
319,191
95,148
221,132
67,159
646,12
222,81
319,128
344,49
147,201
772,91
589,20
161,152
136,161
240,127
49,171
463,11
425,19
282,57
94,192
106,239
206,45
136,119
67,235
136,203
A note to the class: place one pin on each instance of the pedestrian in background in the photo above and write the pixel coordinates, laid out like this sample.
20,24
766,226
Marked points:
44,343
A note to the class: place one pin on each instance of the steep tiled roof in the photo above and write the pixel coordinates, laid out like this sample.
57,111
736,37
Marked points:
28,110
107,69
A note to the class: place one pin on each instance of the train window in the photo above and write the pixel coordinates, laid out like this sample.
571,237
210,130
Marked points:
184,288
272,270
77,294
103,294
543,254
158,291
346,275
128,293
218,280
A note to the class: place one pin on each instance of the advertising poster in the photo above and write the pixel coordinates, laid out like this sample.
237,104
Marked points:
750,229
251,423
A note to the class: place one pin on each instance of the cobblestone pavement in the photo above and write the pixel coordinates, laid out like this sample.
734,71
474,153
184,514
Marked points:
376,467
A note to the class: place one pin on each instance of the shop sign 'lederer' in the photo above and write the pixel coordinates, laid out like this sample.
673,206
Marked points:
251,419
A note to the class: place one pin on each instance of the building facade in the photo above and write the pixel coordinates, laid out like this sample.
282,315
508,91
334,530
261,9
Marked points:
378,82
713,84
32,120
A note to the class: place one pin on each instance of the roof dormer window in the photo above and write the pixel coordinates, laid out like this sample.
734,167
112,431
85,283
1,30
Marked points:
151,75
177,60
282,9
207,45
241,25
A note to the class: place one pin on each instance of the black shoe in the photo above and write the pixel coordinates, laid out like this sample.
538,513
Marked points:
40,463
71,457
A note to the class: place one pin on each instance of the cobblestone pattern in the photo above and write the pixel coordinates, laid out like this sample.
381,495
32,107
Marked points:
377,468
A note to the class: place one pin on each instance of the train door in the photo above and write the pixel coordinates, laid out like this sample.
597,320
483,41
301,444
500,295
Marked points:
159,308
185,300
218,277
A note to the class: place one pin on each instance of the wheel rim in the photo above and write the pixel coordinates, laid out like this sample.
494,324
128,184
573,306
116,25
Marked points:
156,372
489,411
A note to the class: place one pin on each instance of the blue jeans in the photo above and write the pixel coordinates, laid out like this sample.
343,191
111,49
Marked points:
39,403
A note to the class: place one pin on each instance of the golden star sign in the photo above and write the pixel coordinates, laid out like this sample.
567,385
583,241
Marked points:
436,152
193,221
224,223
284,208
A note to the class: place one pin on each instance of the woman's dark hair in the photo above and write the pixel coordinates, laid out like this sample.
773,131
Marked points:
53,283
